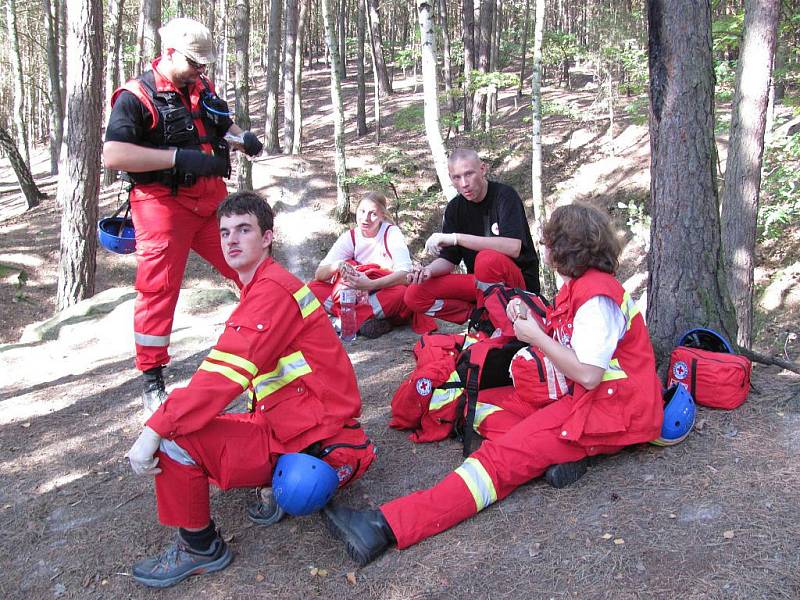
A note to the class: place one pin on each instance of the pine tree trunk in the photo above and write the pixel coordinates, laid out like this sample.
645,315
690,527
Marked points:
448,73
342,211
242,86
116,8
377,48
56,111
288,76
525,49
469,59
686,282
297,140
375,83
342,29
79,179
150,42
26,183
18,108
740,196
271,144
361,99
431,97
483,45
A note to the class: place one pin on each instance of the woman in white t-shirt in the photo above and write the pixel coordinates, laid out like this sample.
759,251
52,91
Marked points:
372,257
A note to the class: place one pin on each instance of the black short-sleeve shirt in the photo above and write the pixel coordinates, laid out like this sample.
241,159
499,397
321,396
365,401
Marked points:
500,214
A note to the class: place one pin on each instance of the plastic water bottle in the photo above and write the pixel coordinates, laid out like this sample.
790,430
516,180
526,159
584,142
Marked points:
347,304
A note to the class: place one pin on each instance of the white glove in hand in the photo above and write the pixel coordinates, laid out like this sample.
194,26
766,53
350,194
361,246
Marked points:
142,453
437,241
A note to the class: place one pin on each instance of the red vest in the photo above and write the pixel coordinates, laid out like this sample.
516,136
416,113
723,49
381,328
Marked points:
626,407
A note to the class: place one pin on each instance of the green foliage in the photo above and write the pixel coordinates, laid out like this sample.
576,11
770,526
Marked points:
722,124
410,118
419,199
727,33
393,160
636,216
405,58
637,110
496,79
780,203
558,47
372,181
559,108
725,74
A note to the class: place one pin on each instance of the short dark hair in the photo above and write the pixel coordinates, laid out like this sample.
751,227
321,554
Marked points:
578,237
248,203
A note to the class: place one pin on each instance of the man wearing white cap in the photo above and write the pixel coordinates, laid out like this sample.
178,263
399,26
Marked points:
167,133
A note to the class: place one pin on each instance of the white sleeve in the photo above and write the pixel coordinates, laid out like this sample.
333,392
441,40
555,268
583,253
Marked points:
401,260
597,327
342,249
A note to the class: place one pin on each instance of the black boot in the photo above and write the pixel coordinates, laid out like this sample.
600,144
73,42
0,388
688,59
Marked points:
365,533
154,393
565,474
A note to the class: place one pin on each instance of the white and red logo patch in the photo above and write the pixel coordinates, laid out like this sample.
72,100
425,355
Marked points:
344,473
680,370
424,386
495,229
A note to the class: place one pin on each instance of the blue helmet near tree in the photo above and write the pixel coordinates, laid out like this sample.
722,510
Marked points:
679,415
117,234
705,339
303,484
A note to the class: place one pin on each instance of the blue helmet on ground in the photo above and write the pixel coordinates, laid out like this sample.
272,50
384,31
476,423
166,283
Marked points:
705,339
679,414
117,235
303,484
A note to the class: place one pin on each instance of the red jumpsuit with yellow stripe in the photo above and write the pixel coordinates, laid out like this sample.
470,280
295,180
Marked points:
279,343
626,408
168,225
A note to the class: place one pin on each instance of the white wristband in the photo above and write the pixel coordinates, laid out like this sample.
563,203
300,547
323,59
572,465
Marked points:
455,239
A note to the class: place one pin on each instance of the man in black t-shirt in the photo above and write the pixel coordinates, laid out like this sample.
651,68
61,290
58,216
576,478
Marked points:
485,226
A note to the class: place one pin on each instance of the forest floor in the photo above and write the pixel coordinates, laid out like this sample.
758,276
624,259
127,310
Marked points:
713,517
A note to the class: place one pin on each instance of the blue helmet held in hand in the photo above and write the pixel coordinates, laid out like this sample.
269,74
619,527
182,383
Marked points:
679,415
303,484
117,234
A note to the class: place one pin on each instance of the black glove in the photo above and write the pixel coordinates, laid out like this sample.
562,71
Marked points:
252,147
198,163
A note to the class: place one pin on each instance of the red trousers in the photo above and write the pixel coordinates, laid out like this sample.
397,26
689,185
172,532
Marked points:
386,303
506,460
165,232
237,451
452,297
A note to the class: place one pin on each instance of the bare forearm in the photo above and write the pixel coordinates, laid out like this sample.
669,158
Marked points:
396,278
505,245
325,272
123,156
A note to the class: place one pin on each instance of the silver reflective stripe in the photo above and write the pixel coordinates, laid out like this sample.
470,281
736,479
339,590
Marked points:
328,304
479,483
437,305
483,410
287,370
482,285
377,309
161,341
176,453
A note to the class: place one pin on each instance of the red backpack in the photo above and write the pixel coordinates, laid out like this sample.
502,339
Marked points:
704,362
491,316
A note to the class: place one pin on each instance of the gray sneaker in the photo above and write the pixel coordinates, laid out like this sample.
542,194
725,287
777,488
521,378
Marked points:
265,511
178,562
154,393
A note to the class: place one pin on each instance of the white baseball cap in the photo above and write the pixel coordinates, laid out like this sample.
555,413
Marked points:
189,37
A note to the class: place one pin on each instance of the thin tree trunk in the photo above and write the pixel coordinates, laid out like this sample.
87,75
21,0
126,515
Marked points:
448,73
375,83
361,99
297,140
241,21
342,28
469,59
56,111
33,196
288,76
377,48
686,282
212,27
342,212
18,108
740,196
431,97
483,44
525,49
150,43
116,9
223,81
79,179
271,144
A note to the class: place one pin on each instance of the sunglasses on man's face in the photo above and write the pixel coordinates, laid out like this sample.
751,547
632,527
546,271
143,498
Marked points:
193,63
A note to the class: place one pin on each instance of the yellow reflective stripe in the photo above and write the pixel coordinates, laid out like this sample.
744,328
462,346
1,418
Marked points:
468,341
233,359
629,309
479,483
287,370
614,371
228,372
483,410
442,398
306,300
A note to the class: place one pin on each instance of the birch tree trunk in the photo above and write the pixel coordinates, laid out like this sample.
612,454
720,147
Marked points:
54,79
33,196
297,140
116,9
241,21
288,76
18,106
342,212
740,196
79,173
686,282
431,99
271,144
